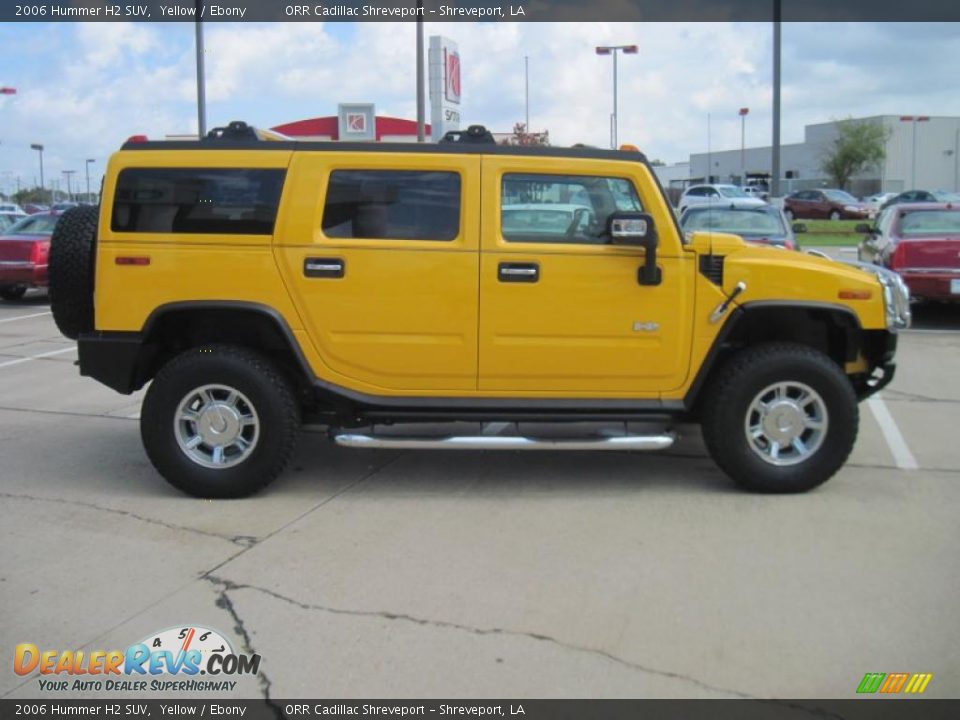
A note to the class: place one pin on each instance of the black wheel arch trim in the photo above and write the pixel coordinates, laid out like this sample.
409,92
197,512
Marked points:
738,315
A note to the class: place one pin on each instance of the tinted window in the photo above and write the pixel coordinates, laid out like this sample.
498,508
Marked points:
197,200
35,225
930,222
392,205
739,222
562,208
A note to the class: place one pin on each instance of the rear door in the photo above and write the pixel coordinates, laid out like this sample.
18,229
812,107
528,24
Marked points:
561,311
380,252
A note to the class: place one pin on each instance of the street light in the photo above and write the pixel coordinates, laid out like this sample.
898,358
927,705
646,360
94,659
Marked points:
914,119
39,148
87,168
743,135
68,174
612,50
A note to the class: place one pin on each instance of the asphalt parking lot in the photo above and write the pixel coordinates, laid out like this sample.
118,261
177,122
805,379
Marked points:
428,574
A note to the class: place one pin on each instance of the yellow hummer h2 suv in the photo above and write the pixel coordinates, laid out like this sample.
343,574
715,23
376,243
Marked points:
259,284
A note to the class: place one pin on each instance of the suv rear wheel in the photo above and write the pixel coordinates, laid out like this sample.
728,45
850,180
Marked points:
219,422
780,418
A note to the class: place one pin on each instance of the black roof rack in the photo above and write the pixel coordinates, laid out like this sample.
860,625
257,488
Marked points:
236,130
473,134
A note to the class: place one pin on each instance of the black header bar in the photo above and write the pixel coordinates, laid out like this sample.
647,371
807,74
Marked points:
479,10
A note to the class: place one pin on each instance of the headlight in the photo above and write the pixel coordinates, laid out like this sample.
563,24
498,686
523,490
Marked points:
896,299
896,294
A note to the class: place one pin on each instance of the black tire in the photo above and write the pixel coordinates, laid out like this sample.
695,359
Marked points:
258,383
728,402
71,271
835,215
13,292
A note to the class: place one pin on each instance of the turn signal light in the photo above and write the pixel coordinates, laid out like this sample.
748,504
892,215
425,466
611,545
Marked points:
629,148
855,294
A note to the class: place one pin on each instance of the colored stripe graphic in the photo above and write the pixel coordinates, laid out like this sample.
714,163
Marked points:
918,683
871,682
894,683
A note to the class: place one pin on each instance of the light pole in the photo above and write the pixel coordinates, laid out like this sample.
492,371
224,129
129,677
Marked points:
914,119
421,110
612,50
526,92
39,148
743,143
201,76
68,174
87,168
775,155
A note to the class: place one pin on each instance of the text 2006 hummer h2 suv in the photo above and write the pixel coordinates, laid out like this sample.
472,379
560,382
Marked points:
259,284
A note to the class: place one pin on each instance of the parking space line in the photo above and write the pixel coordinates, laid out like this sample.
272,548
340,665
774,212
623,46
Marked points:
25,317
18,361
891,433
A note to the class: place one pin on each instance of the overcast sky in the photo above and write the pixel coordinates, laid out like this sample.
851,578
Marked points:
83,88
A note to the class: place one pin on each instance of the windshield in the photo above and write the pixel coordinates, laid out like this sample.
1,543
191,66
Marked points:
747,223
34,225
840,196
731,192
930,222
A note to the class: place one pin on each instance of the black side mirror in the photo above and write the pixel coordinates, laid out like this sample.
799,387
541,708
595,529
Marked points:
799,227
864,228
637,228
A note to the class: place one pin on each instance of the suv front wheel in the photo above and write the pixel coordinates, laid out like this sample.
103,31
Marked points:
219,422
780,418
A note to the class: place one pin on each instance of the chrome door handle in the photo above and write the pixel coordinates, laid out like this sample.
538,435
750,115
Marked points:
314,267
518,272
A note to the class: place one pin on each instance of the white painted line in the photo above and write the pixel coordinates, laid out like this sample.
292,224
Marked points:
494,428
18,361
25,317
891,433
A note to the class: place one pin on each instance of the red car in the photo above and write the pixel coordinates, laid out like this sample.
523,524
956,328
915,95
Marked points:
825,204
921,242
24,247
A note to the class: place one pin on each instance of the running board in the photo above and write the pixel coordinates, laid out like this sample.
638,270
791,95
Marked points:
659,441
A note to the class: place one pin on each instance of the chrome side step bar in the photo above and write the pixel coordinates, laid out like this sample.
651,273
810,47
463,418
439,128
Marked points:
659,441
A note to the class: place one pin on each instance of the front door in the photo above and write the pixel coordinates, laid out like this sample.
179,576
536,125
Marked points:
561,309
384,269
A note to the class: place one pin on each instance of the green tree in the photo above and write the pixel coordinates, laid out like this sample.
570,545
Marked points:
32,195
857,146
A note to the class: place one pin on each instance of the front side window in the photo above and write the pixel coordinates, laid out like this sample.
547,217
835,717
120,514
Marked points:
562,208
235,201
392,205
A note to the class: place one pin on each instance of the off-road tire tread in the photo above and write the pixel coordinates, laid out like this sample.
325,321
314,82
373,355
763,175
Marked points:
71,270
156,433
736,460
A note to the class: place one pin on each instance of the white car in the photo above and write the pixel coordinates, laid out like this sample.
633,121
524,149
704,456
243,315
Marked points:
11,208
875,202
728,195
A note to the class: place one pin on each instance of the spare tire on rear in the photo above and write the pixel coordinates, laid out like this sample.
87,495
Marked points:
71,270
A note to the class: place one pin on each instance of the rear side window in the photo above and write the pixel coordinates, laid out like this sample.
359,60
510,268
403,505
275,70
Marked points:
197,200
392,205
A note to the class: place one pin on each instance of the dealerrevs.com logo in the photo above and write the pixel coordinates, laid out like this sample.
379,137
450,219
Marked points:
183,653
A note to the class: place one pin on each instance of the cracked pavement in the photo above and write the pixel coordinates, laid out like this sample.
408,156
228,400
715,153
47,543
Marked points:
417,574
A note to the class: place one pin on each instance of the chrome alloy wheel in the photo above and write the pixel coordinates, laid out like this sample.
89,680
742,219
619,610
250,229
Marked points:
786,423
216,426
